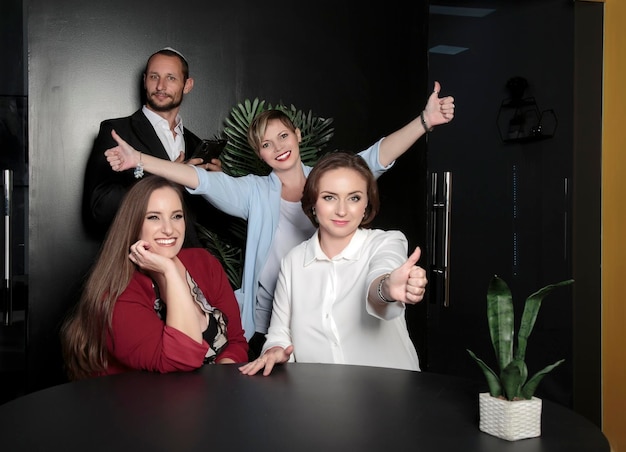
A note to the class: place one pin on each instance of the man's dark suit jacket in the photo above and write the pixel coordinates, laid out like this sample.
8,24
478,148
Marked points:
104,188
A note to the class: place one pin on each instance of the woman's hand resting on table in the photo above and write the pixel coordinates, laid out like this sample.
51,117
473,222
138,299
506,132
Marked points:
275,355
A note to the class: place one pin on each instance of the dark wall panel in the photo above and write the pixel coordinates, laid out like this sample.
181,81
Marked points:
12,77
511,206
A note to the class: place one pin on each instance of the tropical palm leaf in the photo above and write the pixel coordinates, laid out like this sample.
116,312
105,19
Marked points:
230,256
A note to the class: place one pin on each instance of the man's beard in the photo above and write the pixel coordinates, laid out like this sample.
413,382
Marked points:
164,107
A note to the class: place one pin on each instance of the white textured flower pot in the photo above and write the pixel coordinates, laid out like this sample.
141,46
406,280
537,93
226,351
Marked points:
510,420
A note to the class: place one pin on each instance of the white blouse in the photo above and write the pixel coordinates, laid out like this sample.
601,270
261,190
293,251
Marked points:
321,307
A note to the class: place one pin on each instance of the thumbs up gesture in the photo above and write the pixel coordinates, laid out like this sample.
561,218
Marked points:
407,283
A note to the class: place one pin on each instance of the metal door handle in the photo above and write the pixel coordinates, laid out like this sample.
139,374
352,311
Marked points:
440,234
7,184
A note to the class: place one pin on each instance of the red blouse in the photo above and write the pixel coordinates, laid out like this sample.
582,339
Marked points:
141,340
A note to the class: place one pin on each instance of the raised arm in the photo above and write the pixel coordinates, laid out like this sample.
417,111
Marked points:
124,156
438,110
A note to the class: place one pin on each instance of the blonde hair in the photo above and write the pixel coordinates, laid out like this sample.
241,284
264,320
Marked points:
257,127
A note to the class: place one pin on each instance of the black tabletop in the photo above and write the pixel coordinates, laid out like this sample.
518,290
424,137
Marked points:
300,407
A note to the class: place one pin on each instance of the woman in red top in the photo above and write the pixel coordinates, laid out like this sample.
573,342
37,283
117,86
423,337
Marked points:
148,303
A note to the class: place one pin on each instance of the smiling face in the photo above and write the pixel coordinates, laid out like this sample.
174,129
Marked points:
164,223
340,206
165,83
280,146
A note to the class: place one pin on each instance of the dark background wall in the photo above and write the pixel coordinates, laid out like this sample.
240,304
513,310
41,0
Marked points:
13,80
85,61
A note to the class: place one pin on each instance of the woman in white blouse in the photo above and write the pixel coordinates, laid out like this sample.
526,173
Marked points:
341,295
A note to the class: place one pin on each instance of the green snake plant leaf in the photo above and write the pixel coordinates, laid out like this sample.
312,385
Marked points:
500,316
529,316
528,390
493,382
513,378
512,383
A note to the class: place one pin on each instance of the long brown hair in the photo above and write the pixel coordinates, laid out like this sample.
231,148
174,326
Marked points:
84,331
336,160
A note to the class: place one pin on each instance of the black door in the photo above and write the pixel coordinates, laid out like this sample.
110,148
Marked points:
506,167
14,177
14,233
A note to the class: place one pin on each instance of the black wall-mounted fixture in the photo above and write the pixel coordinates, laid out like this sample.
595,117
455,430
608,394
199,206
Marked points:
519,117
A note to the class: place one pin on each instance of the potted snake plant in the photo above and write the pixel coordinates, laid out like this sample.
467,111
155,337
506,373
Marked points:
510,410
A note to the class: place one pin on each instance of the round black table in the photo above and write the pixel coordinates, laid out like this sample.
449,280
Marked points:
300,407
